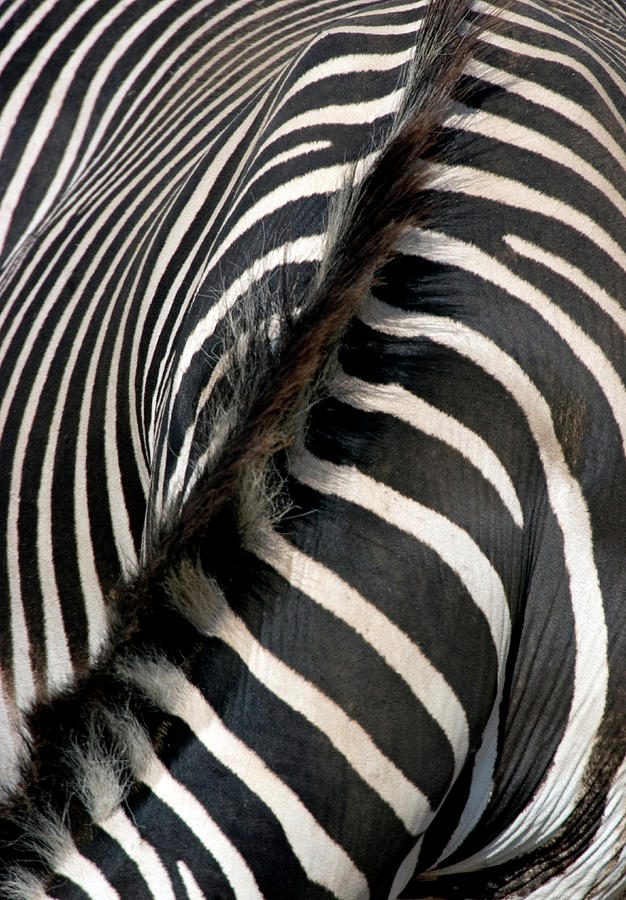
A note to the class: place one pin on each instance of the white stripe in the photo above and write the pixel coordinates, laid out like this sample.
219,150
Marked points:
404,657
65,79
324,861
603,863
393,29
481,785
20,641
477,183
183,66
48,116
405,870
349,114
306,249
218,212
86,874
576,276
440,247
348,64
12,742
113,401
507,131
183,803
346,735
450,542
121,829
394,400
543,96
191,885
120,521
286,156
396,9
556,796
58,660
563,59
21,35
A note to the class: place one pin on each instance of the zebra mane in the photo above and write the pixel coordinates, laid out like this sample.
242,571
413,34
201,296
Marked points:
88,745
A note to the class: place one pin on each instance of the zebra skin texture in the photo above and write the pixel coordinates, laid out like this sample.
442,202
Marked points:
312,430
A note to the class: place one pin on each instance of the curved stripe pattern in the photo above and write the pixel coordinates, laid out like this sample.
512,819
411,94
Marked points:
591,675
392,663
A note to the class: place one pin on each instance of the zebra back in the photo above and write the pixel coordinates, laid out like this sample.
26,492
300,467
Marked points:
324,589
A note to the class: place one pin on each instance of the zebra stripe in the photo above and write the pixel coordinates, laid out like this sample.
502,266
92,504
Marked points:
390,662
591,675
327,589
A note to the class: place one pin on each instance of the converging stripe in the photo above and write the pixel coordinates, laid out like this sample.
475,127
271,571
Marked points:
194,816
324,861
331,592
557,794
346,735
440,247
121,829
394,400
454,545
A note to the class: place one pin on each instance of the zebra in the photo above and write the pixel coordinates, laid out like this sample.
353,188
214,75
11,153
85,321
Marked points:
312,435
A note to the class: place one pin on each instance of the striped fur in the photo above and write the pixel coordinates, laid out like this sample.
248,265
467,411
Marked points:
313,429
